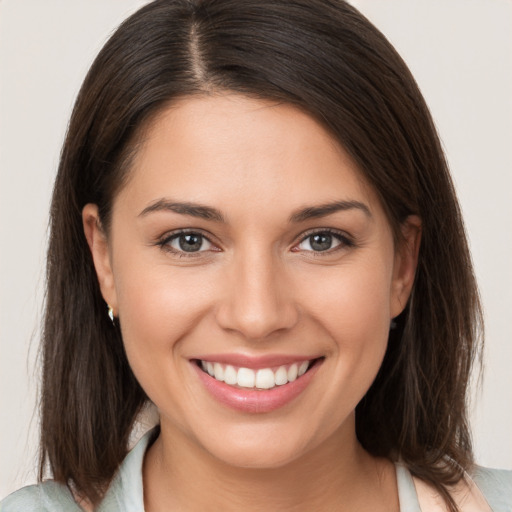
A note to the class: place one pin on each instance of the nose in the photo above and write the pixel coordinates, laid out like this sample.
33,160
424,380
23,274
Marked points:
257,299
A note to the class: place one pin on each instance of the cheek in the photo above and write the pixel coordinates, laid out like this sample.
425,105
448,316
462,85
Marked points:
158,305
353,301
354,311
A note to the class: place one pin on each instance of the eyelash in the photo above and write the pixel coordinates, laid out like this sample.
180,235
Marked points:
164,243
345,242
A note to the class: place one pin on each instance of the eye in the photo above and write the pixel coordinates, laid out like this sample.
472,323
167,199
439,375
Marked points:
324,241
186,242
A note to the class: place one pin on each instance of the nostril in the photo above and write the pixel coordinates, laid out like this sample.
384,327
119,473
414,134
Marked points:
256,323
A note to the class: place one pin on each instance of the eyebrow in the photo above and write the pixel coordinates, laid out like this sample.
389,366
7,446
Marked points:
209,213
314,212
192,209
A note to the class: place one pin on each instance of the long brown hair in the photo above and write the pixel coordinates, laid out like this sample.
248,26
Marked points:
323,57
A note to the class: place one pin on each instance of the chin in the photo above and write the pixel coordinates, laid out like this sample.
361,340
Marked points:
257,458
257,448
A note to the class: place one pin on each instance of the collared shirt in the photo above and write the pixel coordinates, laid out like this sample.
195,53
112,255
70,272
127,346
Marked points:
125,493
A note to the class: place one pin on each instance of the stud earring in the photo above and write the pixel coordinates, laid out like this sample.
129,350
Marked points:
111,314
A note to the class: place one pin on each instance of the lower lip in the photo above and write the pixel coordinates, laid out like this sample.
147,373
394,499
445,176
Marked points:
255,400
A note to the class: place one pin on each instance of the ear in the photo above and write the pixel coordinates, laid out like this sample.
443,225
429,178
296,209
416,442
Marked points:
406,261
99,247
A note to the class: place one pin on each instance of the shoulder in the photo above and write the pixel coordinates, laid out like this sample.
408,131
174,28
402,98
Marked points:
125,492
47,496
496,486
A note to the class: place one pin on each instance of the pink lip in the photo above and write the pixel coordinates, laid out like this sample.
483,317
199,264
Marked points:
254,400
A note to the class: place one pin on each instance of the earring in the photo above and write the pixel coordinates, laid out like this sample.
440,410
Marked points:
111,314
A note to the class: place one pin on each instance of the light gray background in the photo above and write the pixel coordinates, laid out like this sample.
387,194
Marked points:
461,54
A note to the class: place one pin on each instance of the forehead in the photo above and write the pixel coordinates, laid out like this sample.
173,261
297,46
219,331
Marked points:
242,152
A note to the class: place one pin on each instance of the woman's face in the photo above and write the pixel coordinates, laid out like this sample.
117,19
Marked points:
247,243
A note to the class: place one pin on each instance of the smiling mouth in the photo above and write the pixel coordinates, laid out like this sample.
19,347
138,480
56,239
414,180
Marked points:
260,379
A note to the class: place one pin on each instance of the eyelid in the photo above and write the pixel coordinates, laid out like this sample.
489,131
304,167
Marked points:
345,239
164,240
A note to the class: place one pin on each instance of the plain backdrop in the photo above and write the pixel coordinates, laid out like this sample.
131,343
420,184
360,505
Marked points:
460,52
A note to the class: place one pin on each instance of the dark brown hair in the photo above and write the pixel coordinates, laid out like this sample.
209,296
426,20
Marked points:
325,58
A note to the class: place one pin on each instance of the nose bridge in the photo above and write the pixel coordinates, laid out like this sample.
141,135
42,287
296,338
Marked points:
258,302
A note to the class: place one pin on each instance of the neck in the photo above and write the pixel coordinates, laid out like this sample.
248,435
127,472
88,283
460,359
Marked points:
337,475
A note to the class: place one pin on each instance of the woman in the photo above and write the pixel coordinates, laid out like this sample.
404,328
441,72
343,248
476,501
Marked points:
254,229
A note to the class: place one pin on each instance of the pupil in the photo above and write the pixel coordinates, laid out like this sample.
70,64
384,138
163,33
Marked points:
321,242
190,243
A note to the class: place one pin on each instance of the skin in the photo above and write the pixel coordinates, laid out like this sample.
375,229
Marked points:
257,287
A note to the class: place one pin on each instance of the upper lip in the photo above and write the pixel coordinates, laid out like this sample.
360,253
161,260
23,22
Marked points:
255,362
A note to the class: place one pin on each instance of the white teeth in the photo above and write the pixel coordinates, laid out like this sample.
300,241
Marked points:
218,371
302,368
246,378
281,376
230,375
292,372
264,378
